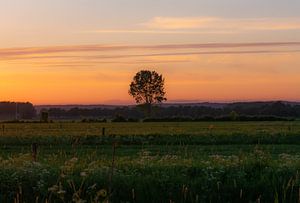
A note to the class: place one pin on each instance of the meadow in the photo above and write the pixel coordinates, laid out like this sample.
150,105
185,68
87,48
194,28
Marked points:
150,162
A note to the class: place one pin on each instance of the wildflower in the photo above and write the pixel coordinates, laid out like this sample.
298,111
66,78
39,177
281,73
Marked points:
83,174
54,188
62,175
102,193
61,192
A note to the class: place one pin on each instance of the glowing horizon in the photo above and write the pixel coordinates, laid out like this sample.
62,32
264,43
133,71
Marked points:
88,52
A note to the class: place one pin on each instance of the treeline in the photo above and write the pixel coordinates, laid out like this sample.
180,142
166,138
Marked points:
248,111
15,111
215,119
235,111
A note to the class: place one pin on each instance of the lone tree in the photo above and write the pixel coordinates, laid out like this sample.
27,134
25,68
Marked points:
147,88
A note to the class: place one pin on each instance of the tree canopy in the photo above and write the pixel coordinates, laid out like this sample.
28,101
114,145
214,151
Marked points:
147,87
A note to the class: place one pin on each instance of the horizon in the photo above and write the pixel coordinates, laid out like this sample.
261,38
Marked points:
88,52
131,103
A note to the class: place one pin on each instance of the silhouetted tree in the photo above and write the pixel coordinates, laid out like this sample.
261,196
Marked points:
147,88
16,110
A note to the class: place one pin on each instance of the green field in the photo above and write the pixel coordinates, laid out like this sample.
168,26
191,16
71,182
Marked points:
169,128
153,162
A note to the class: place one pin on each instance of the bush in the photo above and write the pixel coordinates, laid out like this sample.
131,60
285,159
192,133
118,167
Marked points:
91,120
119,118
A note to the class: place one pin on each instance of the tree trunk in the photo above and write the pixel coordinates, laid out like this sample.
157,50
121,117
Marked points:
149,109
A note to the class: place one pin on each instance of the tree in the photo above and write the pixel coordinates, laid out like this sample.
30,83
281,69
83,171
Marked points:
147,88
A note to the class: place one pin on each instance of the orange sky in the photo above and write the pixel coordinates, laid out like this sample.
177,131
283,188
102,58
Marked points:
57,52
93,74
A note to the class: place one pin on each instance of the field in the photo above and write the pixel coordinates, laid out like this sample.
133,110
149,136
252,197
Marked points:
150,162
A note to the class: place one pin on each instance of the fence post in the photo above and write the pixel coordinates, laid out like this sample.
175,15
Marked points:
110,190
103,131
34,147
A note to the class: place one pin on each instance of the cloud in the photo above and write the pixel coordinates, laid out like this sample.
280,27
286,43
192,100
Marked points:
125,59
206,25
156,31
65,51
95,63
179,23
222,24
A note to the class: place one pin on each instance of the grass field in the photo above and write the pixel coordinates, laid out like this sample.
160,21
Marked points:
170,128
151,162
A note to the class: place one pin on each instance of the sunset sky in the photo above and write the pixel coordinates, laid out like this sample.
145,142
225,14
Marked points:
87,51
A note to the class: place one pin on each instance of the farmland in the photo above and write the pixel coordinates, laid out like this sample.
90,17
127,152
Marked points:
150,162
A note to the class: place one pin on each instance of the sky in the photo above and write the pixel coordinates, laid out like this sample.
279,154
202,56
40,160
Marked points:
87,51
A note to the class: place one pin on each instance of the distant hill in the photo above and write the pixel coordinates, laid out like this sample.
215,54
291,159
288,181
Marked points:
80,106
202,104
174,104
103,106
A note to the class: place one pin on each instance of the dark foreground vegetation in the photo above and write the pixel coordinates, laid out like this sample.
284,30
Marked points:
142,176
150,162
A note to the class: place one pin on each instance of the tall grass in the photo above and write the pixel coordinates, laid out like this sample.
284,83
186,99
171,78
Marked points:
237,178
191,162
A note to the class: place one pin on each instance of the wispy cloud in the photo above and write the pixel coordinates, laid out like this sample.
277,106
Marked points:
223,24
207,25
162,31
40,52
93,57
180,23
96,62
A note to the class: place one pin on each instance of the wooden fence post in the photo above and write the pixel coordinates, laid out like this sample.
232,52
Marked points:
110,190
34,148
